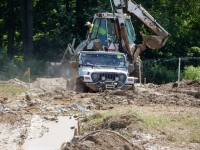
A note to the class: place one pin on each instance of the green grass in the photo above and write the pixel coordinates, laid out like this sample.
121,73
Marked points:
156,121
99,117
178,128
6,89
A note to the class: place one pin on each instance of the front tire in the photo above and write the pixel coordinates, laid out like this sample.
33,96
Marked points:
132,88
80,86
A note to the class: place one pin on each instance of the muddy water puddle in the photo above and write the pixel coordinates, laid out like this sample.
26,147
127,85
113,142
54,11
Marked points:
58,132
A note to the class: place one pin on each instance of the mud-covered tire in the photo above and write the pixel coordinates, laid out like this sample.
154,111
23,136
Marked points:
132,88
80,86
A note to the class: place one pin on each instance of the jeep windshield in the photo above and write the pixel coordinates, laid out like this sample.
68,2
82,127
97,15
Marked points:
114,60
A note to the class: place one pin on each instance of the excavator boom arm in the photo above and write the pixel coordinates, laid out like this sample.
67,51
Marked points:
146,18
152,41
143,15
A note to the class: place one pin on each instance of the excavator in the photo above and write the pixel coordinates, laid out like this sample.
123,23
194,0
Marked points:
113,32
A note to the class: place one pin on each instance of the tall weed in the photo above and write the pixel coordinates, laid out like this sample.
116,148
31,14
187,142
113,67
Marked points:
192,73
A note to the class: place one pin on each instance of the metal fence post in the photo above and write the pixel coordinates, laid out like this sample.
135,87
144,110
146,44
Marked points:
179,70
140,71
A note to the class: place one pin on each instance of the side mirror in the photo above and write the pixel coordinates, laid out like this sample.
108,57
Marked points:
73,64
80,62
127,64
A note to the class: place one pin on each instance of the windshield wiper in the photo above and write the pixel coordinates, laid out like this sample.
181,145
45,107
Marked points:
111,66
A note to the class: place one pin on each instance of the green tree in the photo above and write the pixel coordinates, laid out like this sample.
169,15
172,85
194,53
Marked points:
181,20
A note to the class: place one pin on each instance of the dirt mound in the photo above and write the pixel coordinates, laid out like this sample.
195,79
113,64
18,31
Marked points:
48,84
194,83
101,140
187,83
111,122
186,95
15,82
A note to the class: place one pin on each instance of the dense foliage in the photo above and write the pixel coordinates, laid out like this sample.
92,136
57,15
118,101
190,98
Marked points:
56,23
192,73
160,74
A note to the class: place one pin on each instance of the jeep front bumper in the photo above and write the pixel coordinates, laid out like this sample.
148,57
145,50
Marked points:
107,85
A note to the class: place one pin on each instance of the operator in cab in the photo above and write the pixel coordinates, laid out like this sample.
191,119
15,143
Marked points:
90,26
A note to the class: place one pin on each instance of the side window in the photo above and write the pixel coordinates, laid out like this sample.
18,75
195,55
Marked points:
130,31
95,28
99,31
111,31
102,34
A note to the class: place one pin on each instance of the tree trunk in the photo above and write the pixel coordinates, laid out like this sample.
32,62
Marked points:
23,23
67,2
79,11
29,12
67,5
26,12
11,29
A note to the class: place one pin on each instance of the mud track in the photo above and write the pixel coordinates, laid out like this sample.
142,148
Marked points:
47,98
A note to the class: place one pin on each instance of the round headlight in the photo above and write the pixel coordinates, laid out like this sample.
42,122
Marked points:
95,77
103,78
121,77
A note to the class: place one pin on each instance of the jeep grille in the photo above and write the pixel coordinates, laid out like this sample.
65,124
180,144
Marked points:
108,76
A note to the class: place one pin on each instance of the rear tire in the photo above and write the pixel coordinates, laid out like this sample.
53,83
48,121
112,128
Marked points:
136,71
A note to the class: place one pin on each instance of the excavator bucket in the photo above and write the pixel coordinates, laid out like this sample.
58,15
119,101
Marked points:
52,69
62,68
154,41
59,69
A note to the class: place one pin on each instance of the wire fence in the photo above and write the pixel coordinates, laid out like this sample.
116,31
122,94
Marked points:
174,64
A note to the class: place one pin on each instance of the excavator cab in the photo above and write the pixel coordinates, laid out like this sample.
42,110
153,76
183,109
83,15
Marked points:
99,30
103,29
